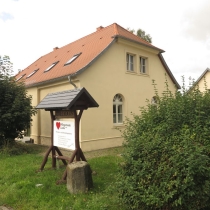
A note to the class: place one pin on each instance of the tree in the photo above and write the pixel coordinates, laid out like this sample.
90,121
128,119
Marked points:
167,154
15,106
6,66
141,33
144,36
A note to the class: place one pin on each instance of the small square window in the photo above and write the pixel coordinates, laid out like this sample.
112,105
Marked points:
143,65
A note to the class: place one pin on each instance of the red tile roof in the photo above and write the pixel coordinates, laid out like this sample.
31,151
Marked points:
89,48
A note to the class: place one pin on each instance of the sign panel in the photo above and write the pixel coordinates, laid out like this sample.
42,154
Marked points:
64,114
64,134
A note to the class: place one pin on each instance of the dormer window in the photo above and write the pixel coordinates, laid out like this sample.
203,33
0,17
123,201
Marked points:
20,77
31,74
51,66
72,59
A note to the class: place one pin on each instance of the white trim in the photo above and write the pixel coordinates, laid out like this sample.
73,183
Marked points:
117,104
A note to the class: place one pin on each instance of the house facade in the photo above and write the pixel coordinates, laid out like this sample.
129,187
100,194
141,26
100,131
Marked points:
203,82
115,66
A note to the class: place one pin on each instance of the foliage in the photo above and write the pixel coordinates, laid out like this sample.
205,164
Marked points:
15,109
144,36
18,182
15,148
141,33
167,154
6,66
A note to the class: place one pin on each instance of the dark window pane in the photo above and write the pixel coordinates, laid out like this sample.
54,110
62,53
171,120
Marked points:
114,108
119,118
114,118
119,109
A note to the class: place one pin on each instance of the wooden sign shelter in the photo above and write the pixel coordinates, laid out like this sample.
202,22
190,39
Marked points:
70,103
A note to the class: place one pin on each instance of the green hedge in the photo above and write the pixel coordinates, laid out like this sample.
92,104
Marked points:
167,154
16,110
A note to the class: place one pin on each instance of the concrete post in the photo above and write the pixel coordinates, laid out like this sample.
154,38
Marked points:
79,177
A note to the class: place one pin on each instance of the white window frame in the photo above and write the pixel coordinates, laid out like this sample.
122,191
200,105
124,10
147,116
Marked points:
51,66
130,62
72,59
143,65
117,105
31,74
20,77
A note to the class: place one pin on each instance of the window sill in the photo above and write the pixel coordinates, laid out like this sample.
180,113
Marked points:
118,125
143,74
131,72
138,74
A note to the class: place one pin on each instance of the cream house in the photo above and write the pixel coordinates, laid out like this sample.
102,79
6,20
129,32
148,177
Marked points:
115,66
203,82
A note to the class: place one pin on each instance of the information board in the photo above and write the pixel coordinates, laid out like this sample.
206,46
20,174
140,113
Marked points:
64,134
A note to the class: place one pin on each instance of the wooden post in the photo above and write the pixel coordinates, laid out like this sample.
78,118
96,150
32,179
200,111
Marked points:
53,148
77,121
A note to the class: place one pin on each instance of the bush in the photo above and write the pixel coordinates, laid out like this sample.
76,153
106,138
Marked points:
18,148
167,154
15,109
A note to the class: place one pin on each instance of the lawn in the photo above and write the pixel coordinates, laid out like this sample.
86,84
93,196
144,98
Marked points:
19,179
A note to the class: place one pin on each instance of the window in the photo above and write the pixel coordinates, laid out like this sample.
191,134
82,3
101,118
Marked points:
50,67
72,59
31,74
117,109
143,62
20,77
130,62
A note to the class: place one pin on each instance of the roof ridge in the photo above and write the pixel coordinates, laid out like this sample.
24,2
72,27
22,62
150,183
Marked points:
84,37
116,32
134,37
116,29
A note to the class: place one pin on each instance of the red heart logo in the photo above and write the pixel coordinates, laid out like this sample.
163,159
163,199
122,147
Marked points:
58,124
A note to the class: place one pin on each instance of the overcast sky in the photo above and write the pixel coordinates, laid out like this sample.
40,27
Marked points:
32,28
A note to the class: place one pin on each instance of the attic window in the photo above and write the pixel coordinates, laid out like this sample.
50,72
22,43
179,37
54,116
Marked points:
20,77
31,74
51,66
72,59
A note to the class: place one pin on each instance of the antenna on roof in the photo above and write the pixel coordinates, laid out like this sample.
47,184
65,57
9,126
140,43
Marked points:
69,78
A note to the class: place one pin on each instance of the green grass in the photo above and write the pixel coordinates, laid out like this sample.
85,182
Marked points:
18,179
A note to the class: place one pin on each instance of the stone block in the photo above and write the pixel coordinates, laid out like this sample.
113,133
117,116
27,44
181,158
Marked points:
79,177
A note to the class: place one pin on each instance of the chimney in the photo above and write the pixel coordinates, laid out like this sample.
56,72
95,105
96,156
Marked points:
99,28
55,48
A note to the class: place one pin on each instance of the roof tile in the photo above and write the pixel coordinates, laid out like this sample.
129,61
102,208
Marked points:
89,46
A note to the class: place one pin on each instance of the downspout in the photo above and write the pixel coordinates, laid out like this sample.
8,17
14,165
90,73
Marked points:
69,78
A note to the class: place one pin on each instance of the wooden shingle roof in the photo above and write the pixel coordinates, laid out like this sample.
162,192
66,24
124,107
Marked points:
68,100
